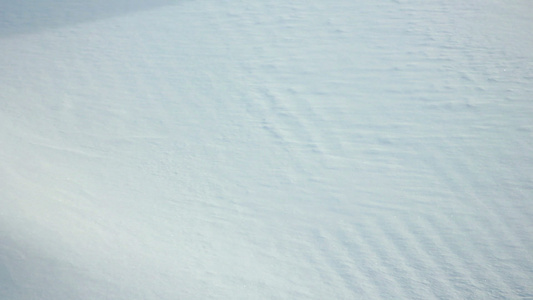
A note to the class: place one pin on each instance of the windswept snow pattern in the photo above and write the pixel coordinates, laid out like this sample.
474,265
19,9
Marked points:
203,149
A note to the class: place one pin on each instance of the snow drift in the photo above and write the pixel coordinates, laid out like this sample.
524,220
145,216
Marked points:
266,150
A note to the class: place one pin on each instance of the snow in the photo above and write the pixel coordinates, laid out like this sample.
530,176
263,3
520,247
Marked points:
266,149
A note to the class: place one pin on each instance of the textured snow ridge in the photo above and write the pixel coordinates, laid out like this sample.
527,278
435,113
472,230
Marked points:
266,149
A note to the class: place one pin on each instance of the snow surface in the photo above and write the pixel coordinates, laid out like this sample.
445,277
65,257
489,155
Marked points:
216,149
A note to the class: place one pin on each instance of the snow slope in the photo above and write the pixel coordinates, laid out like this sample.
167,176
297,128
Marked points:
266,149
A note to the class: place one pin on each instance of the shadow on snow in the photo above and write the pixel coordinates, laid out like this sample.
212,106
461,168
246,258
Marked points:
26,16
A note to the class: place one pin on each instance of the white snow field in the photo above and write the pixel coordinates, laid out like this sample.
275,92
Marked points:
217,149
